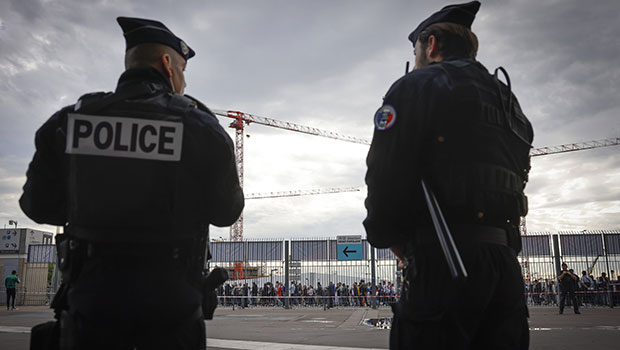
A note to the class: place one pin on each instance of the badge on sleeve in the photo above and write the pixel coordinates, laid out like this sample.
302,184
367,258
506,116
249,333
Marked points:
385,117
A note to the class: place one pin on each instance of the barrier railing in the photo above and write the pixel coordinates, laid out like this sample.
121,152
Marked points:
316,263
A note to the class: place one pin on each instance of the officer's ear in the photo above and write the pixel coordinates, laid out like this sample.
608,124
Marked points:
166,62
432,48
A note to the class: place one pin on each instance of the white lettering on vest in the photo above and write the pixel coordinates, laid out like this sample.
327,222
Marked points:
124,137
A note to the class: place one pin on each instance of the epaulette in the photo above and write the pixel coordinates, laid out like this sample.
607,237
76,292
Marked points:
199,104
89,98
180,103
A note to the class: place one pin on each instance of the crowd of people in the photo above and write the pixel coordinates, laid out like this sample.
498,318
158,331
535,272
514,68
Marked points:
330,295
589,290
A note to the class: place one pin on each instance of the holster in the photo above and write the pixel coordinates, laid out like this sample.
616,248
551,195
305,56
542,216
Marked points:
209,304
71,256
60,334
409,273
68,333
209,296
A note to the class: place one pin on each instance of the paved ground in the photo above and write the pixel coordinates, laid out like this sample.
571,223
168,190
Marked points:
340,329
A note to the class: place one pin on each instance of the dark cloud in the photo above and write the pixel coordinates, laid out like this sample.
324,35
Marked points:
327,64
562,58
29,10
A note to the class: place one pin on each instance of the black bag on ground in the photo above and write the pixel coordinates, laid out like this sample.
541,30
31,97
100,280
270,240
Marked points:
45,336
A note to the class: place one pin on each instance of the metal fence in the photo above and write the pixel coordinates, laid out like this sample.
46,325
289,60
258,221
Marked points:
591,251
309,261
594,253
39,277
312,265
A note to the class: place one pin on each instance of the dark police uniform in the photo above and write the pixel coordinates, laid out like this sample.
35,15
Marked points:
136,177
568,286
462,131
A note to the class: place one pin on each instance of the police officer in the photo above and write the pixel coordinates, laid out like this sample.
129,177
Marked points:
568,286
135,176
457,127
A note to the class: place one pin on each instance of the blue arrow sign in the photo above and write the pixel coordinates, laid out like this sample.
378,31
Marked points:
349,247
349,251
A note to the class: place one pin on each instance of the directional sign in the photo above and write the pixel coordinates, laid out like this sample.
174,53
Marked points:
349,247
9,240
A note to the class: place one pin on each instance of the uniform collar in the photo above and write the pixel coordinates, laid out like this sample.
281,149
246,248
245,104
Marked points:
452,58
141,75
456,58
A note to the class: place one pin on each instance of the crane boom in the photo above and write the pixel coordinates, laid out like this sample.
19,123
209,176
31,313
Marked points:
247,118
574,147
297,193
250,118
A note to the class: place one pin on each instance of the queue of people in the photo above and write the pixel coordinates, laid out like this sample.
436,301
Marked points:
589,290
331,295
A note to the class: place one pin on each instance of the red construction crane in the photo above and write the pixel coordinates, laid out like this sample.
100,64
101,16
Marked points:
242,119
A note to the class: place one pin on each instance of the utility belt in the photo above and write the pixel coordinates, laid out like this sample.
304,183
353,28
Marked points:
73,252
465,236
134,237
479,234
182,249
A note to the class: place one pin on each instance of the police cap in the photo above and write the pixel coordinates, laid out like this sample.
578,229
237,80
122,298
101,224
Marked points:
462,14
143,31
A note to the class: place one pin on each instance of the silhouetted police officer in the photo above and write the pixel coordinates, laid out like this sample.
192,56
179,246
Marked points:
135,176
460,129
568,287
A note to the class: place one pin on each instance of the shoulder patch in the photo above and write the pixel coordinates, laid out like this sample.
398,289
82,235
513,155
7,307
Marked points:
385,117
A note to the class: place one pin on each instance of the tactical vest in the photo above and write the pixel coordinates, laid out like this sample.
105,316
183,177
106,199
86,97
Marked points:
477,157
125,157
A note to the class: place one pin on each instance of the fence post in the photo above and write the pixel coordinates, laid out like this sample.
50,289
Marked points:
286,275
373,275
56,277
609,285
556,254
326,301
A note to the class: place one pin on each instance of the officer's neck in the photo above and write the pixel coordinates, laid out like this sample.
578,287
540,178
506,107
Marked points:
144,73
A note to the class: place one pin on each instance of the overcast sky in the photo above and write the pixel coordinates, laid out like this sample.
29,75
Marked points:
327,64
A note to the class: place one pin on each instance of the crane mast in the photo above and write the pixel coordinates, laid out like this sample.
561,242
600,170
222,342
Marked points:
236,230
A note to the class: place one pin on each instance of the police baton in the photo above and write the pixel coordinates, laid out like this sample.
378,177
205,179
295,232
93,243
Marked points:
450,251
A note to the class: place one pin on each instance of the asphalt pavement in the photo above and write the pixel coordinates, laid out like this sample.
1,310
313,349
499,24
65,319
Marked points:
312,328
